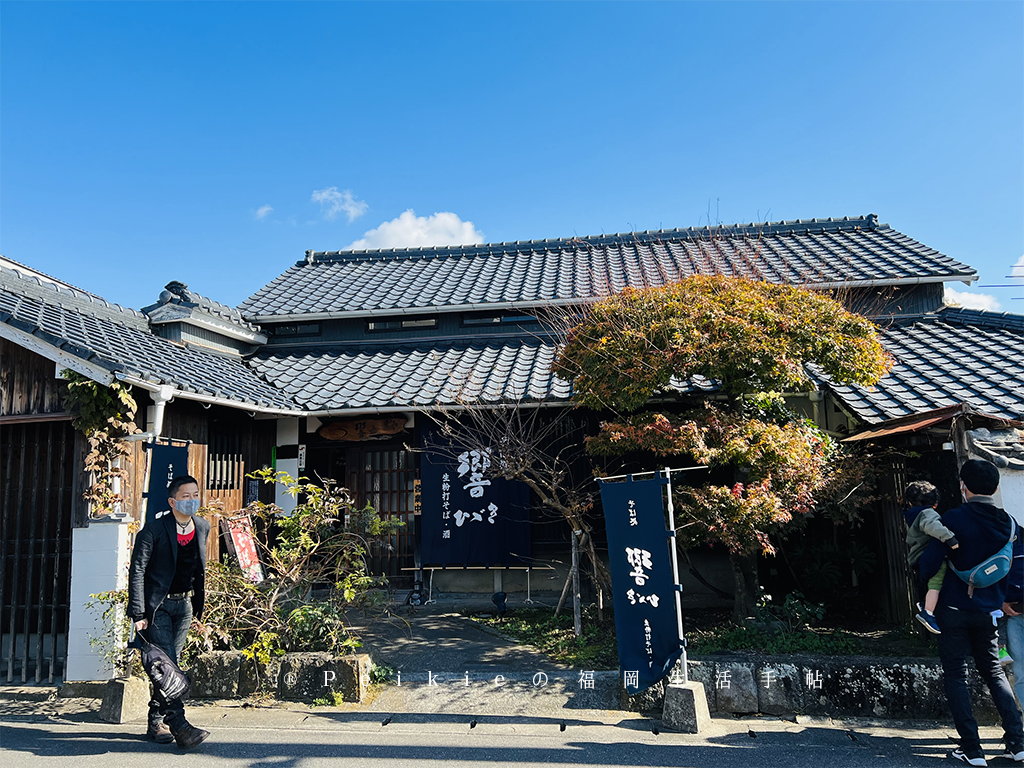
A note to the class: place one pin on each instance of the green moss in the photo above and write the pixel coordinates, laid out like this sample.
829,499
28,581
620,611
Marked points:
554,636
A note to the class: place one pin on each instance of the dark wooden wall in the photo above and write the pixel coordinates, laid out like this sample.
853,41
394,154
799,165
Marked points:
226,444
40,503
28,382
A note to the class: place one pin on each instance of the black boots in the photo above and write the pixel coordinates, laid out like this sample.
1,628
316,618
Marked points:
158,730
167,723
189,736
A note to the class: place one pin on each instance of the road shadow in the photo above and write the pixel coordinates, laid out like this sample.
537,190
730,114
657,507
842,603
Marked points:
799,747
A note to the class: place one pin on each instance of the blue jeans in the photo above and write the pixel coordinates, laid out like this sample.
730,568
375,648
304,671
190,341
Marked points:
168,630
967,633
1015,645
169,627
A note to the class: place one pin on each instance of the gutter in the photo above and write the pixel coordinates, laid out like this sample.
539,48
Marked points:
967,279
393,409
428,310
211,400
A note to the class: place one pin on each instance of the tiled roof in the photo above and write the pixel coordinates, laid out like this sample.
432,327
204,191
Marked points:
948,357
416,375
119,340
178,294
477,372
813,253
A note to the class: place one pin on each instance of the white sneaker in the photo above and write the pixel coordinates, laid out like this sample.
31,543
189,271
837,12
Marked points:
959,754
1009,754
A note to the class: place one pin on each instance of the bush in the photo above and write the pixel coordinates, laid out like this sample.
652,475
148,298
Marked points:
554,635
316,549
733,638
318,627
117,631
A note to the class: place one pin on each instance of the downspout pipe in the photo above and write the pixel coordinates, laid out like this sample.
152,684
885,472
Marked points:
161,396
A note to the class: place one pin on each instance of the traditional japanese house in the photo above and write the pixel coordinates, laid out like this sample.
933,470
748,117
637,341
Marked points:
333,369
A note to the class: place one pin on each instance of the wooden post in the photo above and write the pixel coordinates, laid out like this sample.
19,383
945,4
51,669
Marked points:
577,619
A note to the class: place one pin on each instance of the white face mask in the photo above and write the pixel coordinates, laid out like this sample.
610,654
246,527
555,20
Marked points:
186,506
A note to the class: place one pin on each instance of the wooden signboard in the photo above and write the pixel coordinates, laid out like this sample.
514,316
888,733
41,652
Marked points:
354,430
240,529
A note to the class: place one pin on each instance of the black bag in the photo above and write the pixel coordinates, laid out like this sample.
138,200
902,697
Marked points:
170,682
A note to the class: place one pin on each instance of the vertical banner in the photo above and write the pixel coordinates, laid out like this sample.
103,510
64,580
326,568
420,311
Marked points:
167,463
466,517
643,589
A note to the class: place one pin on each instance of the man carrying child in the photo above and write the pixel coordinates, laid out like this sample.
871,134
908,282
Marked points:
967,614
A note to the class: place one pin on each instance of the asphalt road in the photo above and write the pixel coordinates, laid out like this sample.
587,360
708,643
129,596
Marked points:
246,738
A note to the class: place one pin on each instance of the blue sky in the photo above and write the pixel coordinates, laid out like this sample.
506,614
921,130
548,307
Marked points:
213,143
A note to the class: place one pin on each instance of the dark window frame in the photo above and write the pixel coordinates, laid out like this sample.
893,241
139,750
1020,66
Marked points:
400,324
296,329
497,318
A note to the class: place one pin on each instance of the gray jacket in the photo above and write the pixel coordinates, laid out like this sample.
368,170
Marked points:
927,525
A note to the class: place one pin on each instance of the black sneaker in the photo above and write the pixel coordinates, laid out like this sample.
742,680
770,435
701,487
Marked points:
975,758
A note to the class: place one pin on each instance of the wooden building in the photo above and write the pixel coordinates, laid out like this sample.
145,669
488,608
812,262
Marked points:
333,367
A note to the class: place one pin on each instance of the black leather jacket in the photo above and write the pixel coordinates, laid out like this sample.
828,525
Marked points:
153,562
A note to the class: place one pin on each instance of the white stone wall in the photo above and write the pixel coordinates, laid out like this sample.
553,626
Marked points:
287,434
99,563
1011,493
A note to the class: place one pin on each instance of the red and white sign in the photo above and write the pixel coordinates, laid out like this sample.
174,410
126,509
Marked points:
245,547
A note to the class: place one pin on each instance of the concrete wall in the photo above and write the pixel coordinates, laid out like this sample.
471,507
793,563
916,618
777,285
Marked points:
99,563
287,435
1011,493
833,686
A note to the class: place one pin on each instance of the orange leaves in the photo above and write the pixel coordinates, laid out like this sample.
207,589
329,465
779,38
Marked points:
747,335
783,465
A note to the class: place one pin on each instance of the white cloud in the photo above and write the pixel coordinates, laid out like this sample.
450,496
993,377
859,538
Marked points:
969,300
332,202
412,231
263,211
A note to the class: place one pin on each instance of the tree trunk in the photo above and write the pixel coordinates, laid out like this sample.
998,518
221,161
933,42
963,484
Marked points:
744,573
565,593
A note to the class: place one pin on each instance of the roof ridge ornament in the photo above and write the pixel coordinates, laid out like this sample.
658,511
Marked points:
179,289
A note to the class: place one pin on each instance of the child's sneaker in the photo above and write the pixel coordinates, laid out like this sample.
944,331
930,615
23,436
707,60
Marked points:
929,622
1004,657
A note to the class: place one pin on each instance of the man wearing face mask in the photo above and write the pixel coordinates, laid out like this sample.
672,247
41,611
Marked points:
166,589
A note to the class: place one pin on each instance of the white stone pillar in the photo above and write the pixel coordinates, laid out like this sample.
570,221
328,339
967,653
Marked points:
99,563
287,435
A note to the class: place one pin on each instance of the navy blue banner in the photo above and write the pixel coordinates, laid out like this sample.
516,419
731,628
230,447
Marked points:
468,517
643,589
167,463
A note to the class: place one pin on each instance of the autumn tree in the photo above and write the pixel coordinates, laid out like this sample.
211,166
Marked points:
732,340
